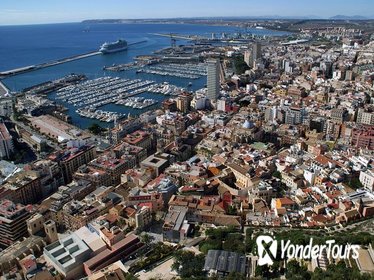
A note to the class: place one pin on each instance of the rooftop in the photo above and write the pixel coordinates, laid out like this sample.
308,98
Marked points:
224,261
4,133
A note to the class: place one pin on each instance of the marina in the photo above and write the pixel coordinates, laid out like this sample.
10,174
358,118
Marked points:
89,97
186,71
101,115
137,102
101,91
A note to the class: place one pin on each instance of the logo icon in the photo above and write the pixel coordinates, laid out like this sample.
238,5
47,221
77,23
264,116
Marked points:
266,249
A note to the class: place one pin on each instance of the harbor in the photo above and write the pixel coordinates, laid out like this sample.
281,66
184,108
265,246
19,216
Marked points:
149,51
90,97
35,67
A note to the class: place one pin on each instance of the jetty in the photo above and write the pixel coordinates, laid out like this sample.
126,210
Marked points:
136,43
175,36
29,68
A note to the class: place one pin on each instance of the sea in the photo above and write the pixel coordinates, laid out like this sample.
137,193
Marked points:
26,45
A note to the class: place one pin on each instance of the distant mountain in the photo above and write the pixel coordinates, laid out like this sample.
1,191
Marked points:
266,17
343,17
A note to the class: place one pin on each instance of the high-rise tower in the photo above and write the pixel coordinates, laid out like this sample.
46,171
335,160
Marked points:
256,53
213,79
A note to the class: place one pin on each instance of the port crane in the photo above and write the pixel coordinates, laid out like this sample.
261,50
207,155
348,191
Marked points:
173,41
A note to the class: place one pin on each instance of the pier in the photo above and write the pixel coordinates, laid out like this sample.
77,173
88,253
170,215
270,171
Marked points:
46,64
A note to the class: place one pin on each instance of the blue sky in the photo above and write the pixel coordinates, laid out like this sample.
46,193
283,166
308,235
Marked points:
49,11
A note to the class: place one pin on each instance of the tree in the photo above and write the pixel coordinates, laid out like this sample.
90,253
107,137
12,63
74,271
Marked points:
130,276
296,271
355,183
232,210
96,129
277,174
262,271
338,271
146,238
240,65
187,264
235,276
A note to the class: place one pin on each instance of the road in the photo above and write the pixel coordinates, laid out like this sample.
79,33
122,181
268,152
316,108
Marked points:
3,89
29,130
162,271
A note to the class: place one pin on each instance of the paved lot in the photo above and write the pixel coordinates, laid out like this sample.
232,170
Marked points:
163,271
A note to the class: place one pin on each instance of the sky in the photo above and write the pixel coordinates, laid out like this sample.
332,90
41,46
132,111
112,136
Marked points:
14,12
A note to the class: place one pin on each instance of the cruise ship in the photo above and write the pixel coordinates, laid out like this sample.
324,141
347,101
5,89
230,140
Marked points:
120,45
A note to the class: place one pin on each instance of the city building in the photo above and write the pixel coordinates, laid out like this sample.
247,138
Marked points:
140,139
183,102
247,58
175,226
364,117
67,256
295,115
112,166
115,271
24,187
72,158
123,249
367,179
256,53
11,256
143,217
95,176
6,106
50,229
158,162
339,115
6,142
222,263
365,260
363,137
124,127
13,225
36,142
35,224
213,80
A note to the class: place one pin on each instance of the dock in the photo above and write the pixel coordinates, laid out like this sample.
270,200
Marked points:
29,68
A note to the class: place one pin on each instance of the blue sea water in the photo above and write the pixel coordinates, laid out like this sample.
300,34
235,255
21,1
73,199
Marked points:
33,44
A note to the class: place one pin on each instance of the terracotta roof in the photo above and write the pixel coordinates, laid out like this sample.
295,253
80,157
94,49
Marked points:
322,160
